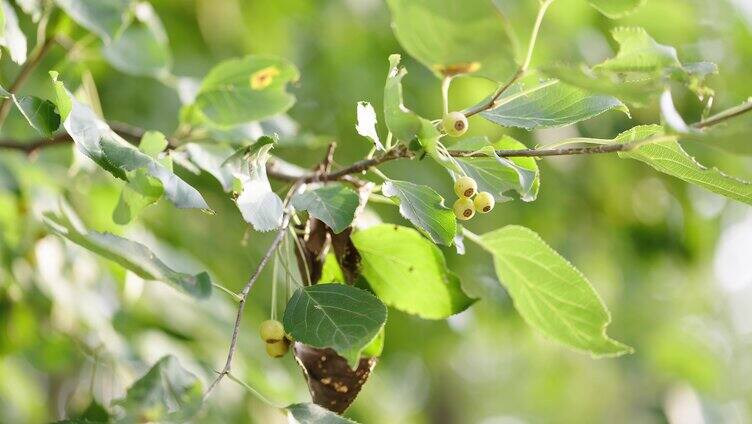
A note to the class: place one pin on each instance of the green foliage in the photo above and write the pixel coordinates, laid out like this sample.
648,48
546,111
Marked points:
338,316
616,9
402,122
409,273
335,205
166,393
102,17
549,104
247,89
444,36
131,255
425,208
309,413
40,114
551,294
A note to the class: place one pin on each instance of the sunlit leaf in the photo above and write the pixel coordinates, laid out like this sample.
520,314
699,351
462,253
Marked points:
639,52
402,122
102,17
425,208
310,413
550,104
211,158
549,293
11,36
455,37
131,255
167,393
248,89
40,114
333,204
408,272
337,316
366,124
142,48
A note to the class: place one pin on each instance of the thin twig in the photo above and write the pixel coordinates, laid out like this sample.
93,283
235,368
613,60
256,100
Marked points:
723,116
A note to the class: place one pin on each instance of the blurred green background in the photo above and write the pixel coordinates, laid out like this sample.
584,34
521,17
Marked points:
672,262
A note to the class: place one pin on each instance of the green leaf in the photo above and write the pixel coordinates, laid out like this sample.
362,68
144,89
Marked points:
376,346
366,125
638,91
336,316
64,101
131,255
331,271
616,9
403,123
40,114
102,17
669,158
140,191
167,393
639,52
408,272
95,139
248,89
333,204
153,143
550,104
498,175
310,413
12,37
424,207
260,206
142,48
455,37
550,293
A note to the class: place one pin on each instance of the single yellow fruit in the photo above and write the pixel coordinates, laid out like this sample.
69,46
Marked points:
455,124
271,331
277,349
484,202
464,208
465,187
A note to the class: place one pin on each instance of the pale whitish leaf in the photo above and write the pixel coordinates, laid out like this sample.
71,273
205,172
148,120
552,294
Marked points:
670,115
259,205
336,316
616,9
334,204
166,393
444,36
403,123
40,114
102,17
12,37
131,255
32,8
210,158
550,104
248,89
408,272
639,52
310,413
669,157
366,125
425,208
142,48
498,175
550,293
99,142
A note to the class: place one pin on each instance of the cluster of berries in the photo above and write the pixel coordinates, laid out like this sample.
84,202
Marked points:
273,334
465,207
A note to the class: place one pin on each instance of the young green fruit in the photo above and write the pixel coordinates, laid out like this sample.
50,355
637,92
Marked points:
455,124
465,187
484,202
277,349
272,331
464,208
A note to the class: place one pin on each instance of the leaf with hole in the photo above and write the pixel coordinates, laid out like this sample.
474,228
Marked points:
408,272
334,205
550,293
425,208
336,316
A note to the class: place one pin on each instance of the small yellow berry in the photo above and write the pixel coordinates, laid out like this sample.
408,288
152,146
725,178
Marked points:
484,202
465,187
271,331
455,124
464,209
277,349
